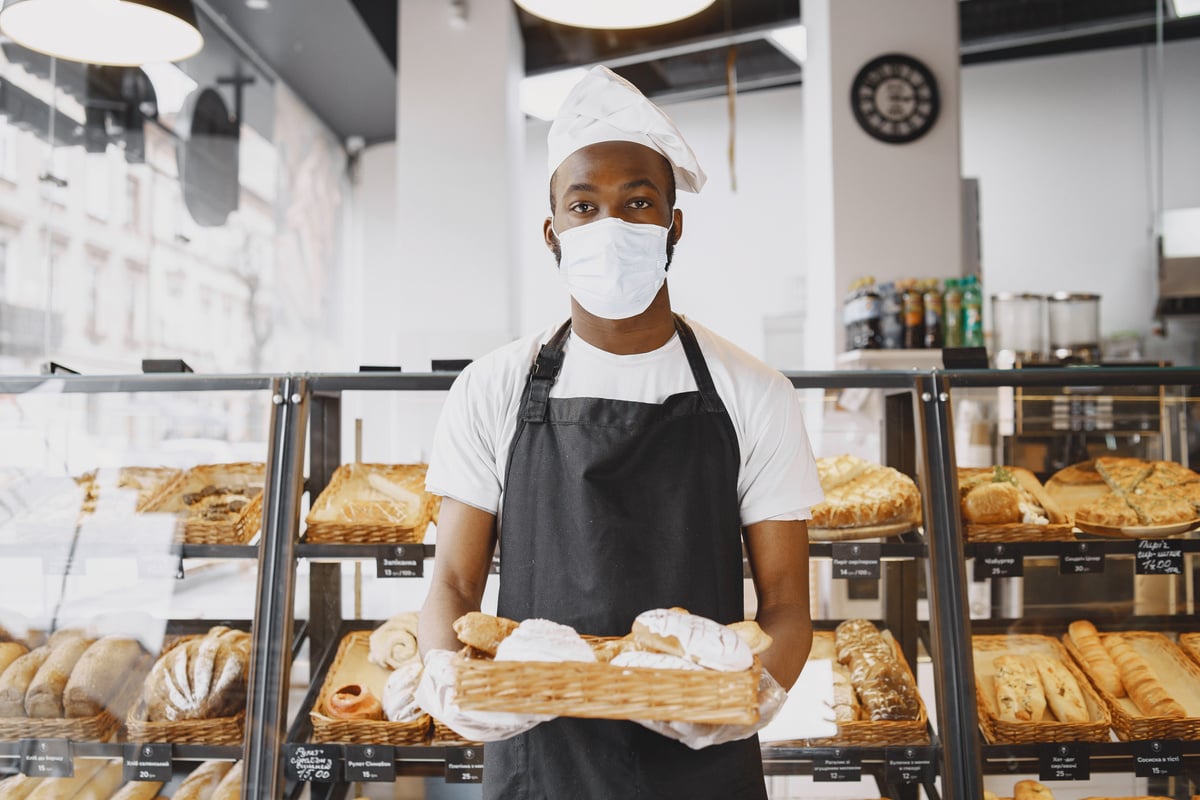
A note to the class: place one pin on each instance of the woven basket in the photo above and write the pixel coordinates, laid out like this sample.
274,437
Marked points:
80,729
341,489
442,736
1003,731
1020,532
875,733
239,528
360,731
1178,674
1190,644
598,690
213,732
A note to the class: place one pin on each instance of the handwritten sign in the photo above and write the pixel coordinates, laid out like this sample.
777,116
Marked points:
313,762
1159,557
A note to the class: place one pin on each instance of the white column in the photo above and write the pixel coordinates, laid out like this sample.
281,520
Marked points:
888,210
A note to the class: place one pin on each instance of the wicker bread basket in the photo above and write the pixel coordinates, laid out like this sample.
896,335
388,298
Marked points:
1178,674
875,733
350,665
442,736
1002,731
1020,532
239,528
79,729
339,517
1190,644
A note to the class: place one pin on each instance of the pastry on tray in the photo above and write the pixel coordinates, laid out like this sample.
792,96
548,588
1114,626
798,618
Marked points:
1119,493
1005,495
212,493
860,494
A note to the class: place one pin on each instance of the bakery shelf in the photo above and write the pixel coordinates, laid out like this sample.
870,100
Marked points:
1189,543
1105,757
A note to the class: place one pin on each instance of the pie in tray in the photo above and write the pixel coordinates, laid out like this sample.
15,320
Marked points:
860,494
1141,494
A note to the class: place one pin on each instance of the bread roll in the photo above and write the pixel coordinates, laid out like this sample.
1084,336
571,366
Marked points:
103,670
1099,663
1031,790
14,683
1143,686
18,787
1018,687
138,790
44,699
700,639
754,636
1061,689
991,503
203,781
10,652
230,787
483,631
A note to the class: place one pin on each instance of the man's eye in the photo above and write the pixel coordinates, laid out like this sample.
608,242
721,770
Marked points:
639,204
581,208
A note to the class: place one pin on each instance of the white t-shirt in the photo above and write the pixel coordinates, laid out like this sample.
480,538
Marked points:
777,478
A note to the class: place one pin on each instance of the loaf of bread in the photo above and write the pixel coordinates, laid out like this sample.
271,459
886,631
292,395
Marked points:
138,790
18,787
885,688
203,782
846,707
1143,686
44,699
62,788
1019,693
1031,790
10,652
102,784
1099,663
102,671
992,503
1063,694
230,787
14,683
200,678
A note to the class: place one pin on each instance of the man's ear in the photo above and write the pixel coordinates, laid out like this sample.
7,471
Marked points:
548,234
676,225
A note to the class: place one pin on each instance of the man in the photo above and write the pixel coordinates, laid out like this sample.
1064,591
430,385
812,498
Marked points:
622,460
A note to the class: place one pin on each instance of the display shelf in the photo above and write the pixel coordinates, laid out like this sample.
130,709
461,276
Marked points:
1104,757
1122,547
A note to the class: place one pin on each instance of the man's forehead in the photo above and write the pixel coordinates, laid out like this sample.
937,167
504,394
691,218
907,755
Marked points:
614,161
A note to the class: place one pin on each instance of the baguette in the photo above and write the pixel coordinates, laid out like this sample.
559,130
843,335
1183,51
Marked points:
1099,663
44,699
18,787
10,652
138,790
203,781
98,677
14,683
63,788
102,784
1061,689
230,787
1019,689
1143,686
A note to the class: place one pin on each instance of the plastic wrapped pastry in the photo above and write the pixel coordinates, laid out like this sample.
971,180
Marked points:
399,702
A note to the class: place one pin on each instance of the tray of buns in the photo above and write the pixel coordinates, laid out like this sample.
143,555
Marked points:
217,503
71,687
1029,689
673,666
1129,497
350,707
1009,504
863,500
1190,644
873,705
1156,691
147,482
372,504
196,691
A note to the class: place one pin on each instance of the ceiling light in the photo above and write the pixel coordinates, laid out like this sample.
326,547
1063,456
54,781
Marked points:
115,32
792,40
258,5
542,95
1186,8
171,85
614,14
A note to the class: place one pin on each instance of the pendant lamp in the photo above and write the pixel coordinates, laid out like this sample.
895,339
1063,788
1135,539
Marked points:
614,14
123,33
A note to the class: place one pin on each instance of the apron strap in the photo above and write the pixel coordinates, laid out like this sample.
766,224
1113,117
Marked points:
542,376
700,373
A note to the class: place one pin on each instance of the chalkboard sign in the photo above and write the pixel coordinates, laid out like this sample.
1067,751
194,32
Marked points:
836,767
998,560
856,559
1157,758
910,764
147,762
400,561
1064,761
313,762
464,765
1159,557
46,758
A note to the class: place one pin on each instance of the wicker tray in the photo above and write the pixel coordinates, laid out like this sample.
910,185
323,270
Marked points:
874,733
1179,674
1002,731
148,482
212,732
350,665
237,529
1020,532
441,736
599,690
1190,644
380,521
80,729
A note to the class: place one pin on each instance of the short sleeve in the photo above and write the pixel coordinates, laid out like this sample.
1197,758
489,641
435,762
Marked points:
779,475
463,462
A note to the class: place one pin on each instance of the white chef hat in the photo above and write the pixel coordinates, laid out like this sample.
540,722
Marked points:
604,107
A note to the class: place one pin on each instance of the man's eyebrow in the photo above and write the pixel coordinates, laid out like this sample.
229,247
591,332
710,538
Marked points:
640,182
581,187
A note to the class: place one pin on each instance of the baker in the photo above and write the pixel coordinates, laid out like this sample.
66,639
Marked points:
621,460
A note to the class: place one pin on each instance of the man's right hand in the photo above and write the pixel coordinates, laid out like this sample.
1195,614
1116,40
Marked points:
436,694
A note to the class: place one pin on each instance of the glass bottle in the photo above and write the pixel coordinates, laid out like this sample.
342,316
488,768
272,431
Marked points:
972,301
934,313
914,315
952,314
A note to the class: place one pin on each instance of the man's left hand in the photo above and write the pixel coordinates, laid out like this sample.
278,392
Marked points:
698,735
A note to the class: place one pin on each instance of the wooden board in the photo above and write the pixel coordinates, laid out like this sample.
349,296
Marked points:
1139,531
864,532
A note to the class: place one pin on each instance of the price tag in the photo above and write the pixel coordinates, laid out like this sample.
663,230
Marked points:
1080,558
856,559
464,765
370,762
313,762
47,758
836,766
910,764
147,762
1159,557
1064,761
998,560
400,561
1156,758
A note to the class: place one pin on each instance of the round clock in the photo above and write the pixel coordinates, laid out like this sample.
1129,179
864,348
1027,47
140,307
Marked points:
895,98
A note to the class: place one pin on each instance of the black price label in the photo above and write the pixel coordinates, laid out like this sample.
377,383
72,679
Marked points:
998,560
910,764
836,766
1159,557
1157,758
1064,761
856,559
400,561
464,765
370,762
1080,558
47,758
313,762
147,762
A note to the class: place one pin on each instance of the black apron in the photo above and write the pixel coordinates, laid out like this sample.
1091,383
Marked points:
611,508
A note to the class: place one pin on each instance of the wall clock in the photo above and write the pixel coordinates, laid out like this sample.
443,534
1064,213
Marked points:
895,98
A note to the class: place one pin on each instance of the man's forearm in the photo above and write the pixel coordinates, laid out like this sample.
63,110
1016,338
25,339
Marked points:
442,606
791,629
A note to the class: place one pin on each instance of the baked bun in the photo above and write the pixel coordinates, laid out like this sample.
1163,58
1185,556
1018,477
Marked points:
395,641
649,660
483,631
992,503
353,701
698,639
15,680
543,640
137,790
755,637
10,652
203,781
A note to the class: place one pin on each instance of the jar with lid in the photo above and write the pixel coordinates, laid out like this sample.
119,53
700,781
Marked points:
870,326
914,315
891,316
952,314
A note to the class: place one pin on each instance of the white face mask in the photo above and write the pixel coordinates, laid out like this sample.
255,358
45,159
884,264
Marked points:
614,268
